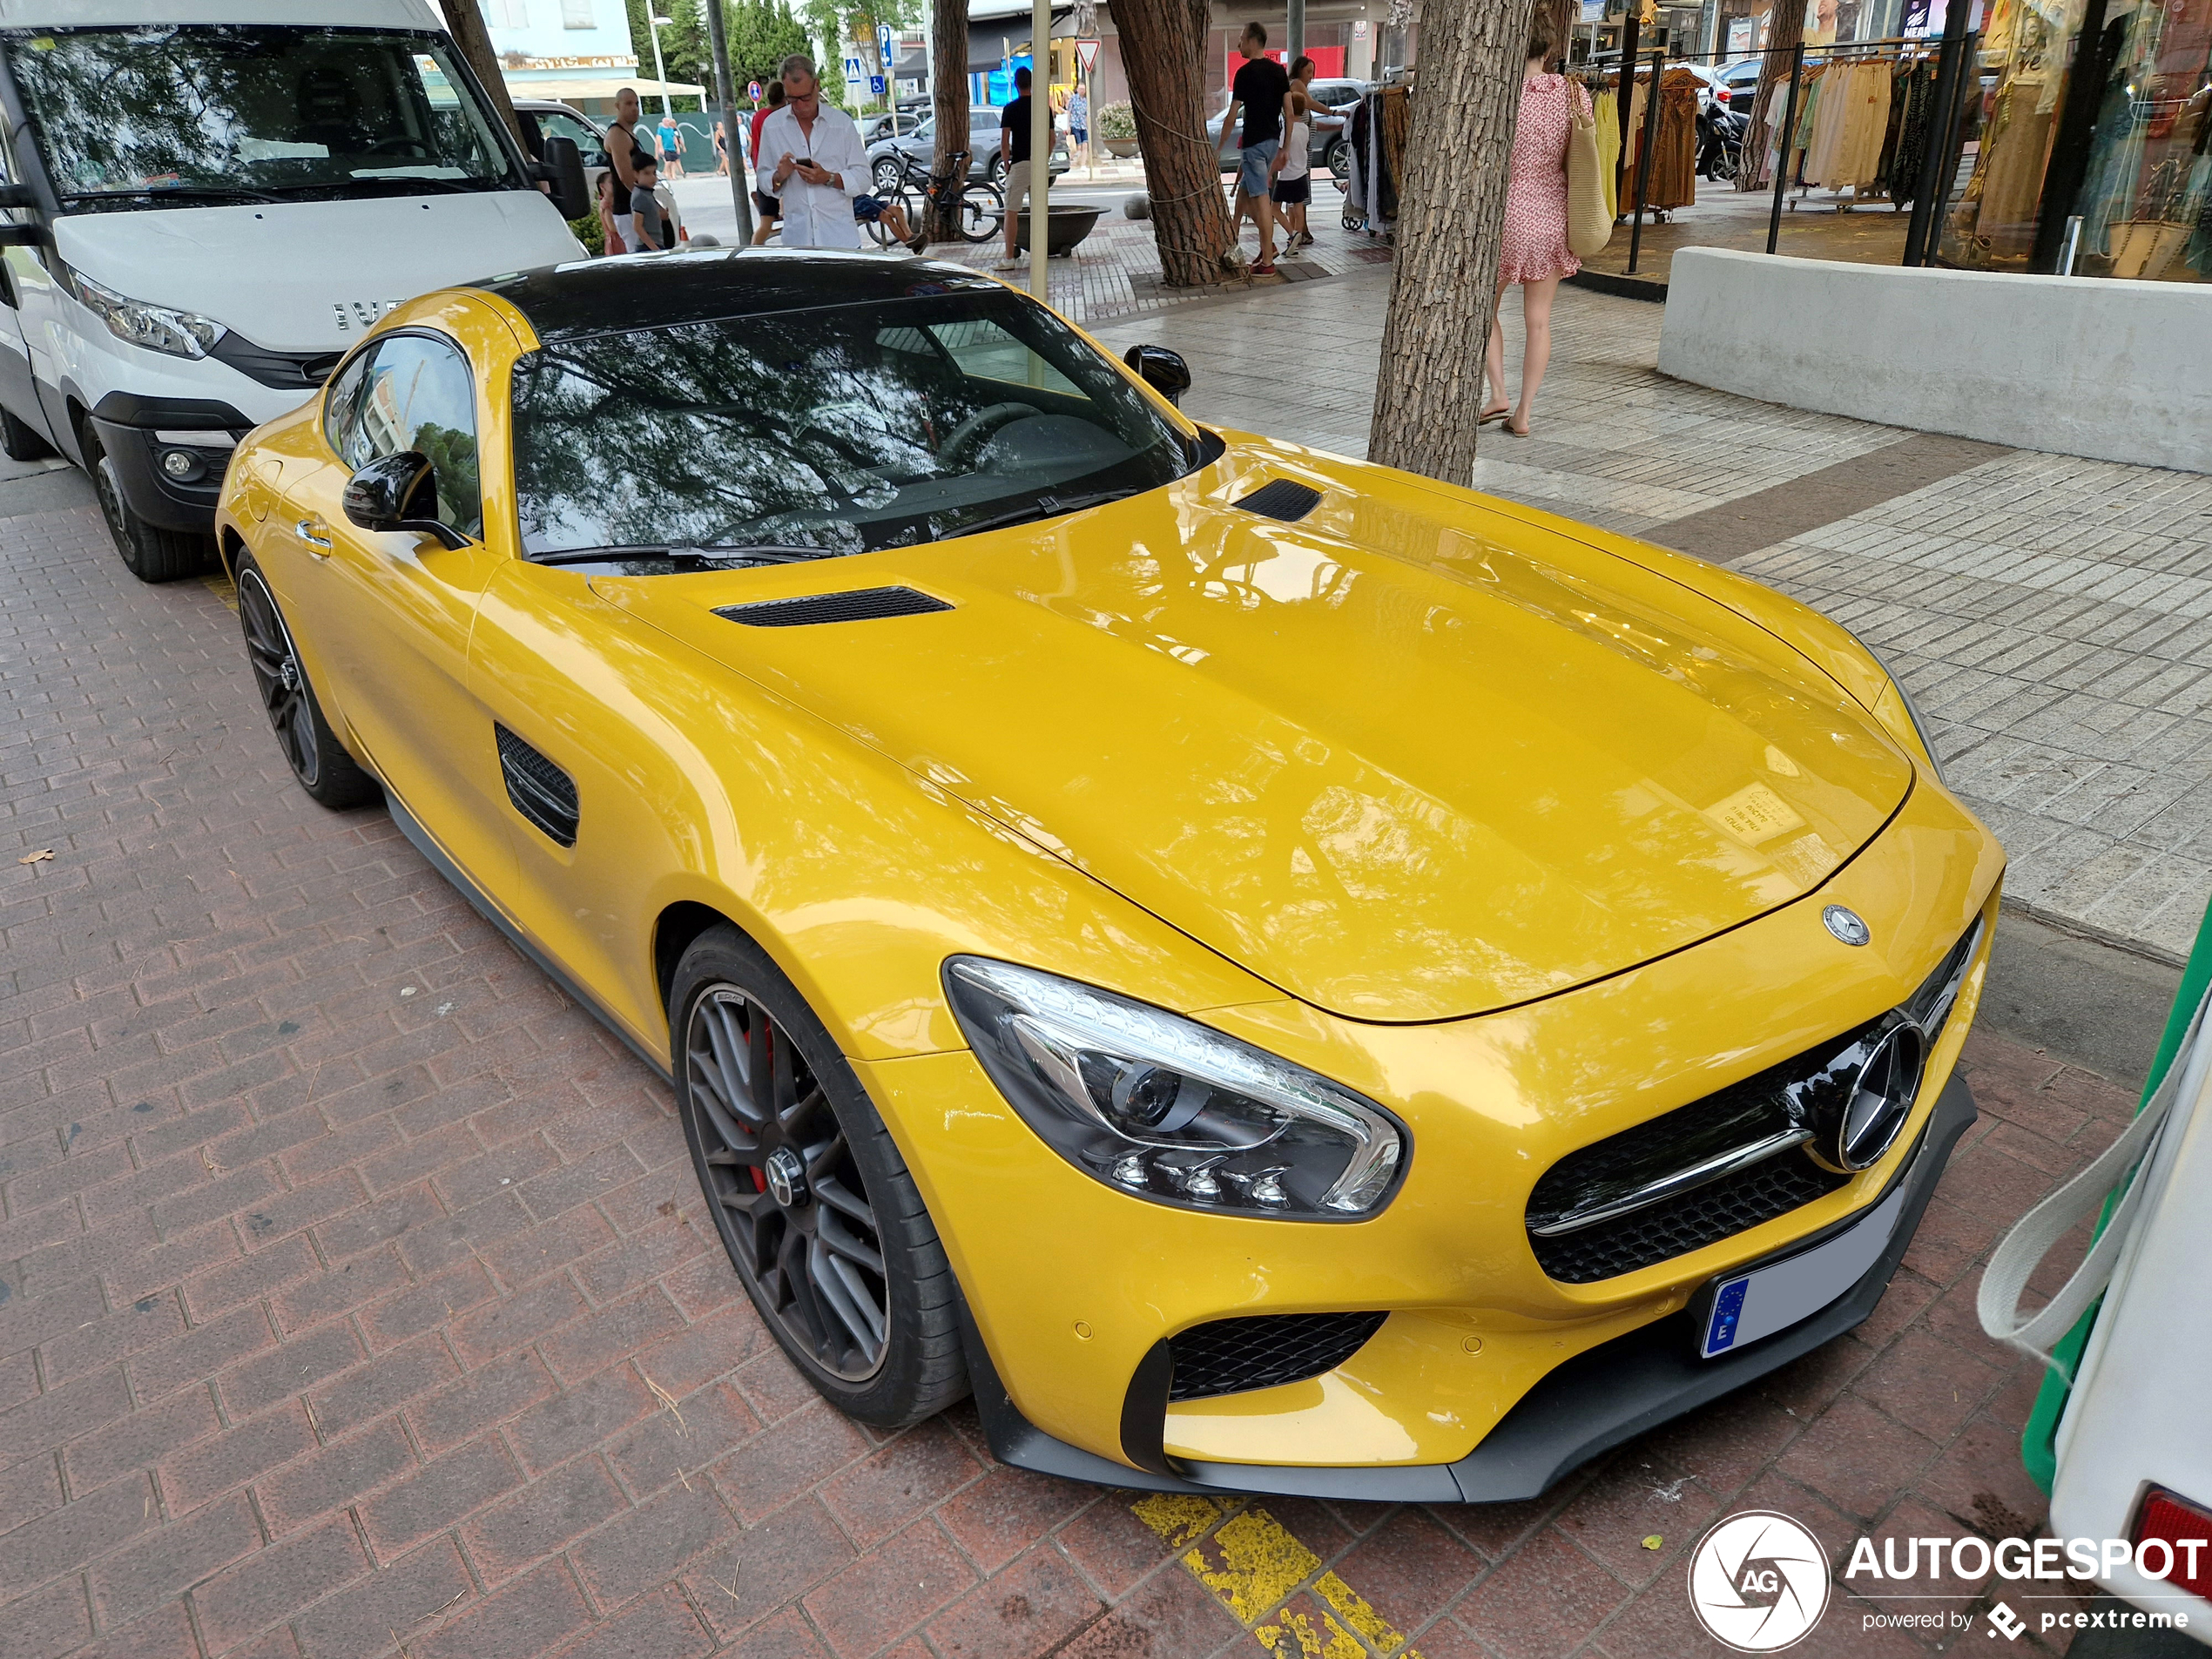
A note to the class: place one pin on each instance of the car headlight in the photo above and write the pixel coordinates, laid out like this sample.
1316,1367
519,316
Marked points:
1165,1108
1912,709
180,334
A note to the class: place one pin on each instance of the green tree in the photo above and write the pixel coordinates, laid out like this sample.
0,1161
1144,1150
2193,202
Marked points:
835,22
762,33
684,49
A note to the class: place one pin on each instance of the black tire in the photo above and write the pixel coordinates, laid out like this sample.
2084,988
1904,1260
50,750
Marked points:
149,553
20,440
889,1352
994,172
311,748
1338,160
983,213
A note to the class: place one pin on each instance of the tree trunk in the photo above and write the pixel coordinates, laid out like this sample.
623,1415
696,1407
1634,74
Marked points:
1162,52
467,24
1787,28
1451,219
950,96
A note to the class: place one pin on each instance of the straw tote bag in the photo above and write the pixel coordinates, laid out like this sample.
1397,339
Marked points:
1590,227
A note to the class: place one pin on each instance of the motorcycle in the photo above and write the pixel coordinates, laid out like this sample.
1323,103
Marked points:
1719,143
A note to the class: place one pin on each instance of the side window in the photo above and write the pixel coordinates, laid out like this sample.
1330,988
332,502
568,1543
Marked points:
345,392
415,394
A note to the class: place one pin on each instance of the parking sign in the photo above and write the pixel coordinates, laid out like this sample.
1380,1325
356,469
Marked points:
875,85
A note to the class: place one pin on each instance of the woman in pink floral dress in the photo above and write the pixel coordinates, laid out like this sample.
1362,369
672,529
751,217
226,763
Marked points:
1535,253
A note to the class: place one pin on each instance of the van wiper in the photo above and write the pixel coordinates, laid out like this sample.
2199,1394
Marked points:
715,556
1045,505
169,192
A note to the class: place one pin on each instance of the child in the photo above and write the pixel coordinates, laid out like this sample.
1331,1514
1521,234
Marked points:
645,208
1289,182
611,240
870,210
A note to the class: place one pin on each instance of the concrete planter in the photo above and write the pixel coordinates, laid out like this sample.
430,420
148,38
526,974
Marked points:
1065,228
1120,148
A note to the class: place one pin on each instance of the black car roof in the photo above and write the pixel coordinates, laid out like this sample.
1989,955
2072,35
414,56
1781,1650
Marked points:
708,285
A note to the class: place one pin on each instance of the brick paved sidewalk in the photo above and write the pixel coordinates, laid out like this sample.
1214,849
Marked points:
355,1299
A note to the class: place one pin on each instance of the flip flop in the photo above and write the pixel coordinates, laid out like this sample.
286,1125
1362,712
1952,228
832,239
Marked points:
1493,415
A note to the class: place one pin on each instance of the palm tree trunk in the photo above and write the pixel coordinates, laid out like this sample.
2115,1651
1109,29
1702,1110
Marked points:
467,23
1451,219
1787,28
1162,52
950,97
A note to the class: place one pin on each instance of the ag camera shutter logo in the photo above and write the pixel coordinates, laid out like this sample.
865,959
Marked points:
1758,1581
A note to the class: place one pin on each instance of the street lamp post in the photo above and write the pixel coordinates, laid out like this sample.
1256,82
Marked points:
653,26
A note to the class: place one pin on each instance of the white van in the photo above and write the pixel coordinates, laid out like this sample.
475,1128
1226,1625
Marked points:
211,199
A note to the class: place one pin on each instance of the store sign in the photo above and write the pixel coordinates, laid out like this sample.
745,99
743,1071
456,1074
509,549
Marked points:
1359,30
1087,55
1593,11
1739,34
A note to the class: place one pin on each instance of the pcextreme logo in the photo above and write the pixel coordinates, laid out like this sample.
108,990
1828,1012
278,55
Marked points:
1758,1581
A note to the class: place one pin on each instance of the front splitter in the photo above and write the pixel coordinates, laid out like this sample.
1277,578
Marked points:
1594,1402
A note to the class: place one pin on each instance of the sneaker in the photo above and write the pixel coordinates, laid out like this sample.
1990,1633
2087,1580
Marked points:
920,245
1009,265
1305,239
1265,268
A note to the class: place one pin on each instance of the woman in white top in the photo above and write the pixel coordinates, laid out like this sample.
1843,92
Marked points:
1289,178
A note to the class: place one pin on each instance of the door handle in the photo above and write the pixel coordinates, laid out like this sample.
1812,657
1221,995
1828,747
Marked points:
316,535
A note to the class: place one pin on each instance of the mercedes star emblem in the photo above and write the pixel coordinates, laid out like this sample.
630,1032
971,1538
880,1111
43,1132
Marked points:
1846,924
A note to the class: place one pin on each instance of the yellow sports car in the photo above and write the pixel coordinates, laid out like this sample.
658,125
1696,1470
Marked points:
1278,974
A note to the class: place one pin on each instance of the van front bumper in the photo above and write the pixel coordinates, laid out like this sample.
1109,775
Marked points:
142,435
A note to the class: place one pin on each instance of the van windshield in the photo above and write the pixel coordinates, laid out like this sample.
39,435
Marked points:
173,115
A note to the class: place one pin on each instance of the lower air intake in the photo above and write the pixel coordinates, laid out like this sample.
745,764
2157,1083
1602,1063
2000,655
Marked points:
1265,1351
859,604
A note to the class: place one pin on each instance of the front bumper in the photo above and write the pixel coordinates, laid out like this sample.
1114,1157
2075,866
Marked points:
1590,1404
138,432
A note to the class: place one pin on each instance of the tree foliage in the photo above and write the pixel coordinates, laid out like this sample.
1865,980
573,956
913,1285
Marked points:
761,33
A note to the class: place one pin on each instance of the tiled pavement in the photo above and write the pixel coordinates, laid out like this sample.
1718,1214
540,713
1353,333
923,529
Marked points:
2051,615
354,1299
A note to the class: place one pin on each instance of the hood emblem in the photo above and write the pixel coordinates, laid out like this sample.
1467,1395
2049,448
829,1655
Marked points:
364,312
1846,924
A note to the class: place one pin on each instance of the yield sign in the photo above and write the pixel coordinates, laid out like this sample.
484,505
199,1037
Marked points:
1087,55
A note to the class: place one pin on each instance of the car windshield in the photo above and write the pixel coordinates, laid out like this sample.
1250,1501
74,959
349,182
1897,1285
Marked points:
171,113
831,431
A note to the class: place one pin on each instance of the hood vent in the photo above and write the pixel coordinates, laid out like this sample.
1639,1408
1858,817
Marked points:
1285,498
861,604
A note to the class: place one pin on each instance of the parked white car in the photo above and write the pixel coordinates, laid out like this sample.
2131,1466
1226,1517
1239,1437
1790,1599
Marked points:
557,120
203,213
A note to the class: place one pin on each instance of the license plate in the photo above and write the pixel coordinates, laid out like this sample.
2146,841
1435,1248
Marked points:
1776,1295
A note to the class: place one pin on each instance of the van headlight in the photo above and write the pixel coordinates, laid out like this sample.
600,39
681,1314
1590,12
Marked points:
1165,1108
162,328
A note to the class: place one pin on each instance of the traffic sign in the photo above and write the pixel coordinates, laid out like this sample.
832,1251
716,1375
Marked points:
887,49
753,90
855,71
875,85
1087,55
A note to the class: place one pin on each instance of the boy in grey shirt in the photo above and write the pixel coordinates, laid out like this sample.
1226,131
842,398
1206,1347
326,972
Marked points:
644,210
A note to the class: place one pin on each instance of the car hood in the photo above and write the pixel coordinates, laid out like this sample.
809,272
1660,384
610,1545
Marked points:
312,276
1412,758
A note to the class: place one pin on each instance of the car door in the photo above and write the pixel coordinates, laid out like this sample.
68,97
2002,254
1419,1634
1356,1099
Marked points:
388,614
18,394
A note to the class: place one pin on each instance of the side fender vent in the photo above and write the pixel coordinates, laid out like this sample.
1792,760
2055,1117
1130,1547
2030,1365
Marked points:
861,604
540,791
1285,498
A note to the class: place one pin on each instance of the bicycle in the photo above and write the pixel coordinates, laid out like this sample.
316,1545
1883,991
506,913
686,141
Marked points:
979,210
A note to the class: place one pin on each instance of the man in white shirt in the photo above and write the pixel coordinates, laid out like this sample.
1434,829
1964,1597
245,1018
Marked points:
812,160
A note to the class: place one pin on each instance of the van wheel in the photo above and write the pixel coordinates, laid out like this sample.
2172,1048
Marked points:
20,440
149,553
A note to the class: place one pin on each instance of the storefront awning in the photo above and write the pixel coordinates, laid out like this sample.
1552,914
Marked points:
522,83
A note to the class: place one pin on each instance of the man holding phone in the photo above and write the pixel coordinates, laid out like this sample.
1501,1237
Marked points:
813,161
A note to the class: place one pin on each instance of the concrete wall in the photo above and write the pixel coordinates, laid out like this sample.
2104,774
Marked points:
2083,365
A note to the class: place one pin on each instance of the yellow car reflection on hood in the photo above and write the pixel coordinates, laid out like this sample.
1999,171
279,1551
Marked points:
1276,974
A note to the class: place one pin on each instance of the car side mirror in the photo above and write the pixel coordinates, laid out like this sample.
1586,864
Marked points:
398,492
563,168
1163,370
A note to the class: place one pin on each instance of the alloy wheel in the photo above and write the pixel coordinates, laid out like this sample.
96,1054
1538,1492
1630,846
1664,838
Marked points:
779,1164
278,677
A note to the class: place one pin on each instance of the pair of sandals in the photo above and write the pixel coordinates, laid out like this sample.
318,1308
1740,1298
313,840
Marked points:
1503,416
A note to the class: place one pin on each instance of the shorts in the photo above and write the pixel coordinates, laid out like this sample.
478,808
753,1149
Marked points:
1252,166
868,209
1289,193
766,207
1017,186
1081,135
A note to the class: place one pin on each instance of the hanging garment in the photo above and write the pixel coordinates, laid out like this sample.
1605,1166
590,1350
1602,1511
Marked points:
1900,82
2018,140
1823,133
1609,149
1674,144
1911,152
1358,136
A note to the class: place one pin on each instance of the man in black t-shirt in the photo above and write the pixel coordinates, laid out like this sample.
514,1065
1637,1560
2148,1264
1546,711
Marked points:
1258,91
1014,149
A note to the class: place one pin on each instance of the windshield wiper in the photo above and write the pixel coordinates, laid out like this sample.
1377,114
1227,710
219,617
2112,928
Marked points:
186,193
1045,505
715,554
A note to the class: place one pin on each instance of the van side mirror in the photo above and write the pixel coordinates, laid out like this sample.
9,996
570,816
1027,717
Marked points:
563,168
18,196
1163,370
398,492
20,235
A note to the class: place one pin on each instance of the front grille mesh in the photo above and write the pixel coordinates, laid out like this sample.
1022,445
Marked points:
1691,1222
1265,1351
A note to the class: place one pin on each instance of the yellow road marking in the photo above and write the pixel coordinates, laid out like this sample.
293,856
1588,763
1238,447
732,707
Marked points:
1254,1564
222,588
